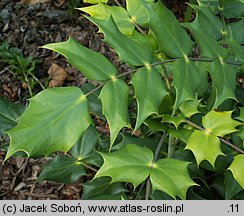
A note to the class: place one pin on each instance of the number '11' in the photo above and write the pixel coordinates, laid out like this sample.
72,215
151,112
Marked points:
234,208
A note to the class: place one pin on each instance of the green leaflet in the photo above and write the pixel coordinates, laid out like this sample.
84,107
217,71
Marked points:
83,59
237,29
62,169
149,93
128,50
184,73
120,16
86,144
224,81
190,108
209,47
205,145
235,46
168,175
114,97
207,22
172,39
54,121
171,176
241,116
237,169
9,113
219,123
137,12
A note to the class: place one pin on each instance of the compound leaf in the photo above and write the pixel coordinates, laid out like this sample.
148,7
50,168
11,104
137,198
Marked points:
120,16
62,169
129,164
83,59
204,146
54,121
149,93
219,123
128,50
172,39
114,97
237,169
134,164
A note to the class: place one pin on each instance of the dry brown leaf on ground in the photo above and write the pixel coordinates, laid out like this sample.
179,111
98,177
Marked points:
57,74
32,1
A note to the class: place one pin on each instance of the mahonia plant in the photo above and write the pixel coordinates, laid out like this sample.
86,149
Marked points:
175,117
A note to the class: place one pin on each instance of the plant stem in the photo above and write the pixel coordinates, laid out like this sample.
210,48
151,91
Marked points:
89,167
171,147
35,78
226,142
95,89
159,147
28,84
148,189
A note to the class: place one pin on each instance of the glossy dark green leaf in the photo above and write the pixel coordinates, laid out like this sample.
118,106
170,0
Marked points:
128,50
205,17
224,82
83,59
62,169
237,29
184,72
100,187
114,97
172,39
86,144
54,121
9,113
149,93
232,187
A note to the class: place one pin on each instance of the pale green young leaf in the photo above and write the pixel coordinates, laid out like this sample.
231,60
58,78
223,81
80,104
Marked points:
114,97
186,81
149,93
131,163
92,64
128,50
168,175
62,169
137,11
190,108
175,120
120,16
219,123
171,37
204,146
54,121
224,81
237,169
171,176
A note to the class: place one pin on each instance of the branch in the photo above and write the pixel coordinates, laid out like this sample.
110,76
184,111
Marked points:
226,142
